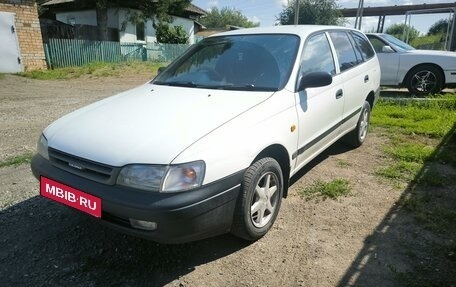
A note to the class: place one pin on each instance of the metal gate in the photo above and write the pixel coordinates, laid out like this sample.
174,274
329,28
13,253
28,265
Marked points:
10,59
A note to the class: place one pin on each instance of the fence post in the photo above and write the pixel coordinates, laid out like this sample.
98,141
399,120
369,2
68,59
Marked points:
47,56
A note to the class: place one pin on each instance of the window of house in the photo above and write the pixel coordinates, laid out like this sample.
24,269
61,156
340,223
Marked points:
140,31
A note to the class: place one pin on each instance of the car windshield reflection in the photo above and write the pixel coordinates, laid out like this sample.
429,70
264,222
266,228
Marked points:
397,44
247,62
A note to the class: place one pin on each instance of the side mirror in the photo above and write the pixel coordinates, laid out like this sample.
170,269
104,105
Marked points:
387,49
314,80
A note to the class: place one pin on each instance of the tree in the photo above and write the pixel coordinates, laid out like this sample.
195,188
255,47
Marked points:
397,30
438,28
171,34
322,12
102,19
159,9
226,16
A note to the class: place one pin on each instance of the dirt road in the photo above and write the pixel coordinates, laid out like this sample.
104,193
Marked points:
355,240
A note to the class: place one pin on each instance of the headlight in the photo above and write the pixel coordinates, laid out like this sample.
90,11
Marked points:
141,176
172,178
42,147
184,176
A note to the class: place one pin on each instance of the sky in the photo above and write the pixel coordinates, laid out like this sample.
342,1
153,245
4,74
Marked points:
266,11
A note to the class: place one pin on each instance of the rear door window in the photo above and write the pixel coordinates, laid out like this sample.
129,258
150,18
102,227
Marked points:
363,45
344,49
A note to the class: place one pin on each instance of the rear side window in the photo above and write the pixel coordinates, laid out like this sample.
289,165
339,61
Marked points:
363,45
344,50
317,56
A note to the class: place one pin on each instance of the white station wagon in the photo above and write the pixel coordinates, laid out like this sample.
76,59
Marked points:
209,145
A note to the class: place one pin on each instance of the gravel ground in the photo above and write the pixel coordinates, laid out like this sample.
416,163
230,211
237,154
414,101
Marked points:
356,240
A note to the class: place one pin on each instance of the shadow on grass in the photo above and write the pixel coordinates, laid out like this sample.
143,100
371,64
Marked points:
416,240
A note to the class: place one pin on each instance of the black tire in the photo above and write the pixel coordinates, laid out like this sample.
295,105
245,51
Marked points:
423,80
356,137
265,175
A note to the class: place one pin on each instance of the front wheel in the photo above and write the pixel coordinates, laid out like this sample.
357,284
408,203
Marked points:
259,201
425,80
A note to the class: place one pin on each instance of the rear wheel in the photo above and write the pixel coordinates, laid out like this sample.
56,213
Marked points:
259,201
357,137
425,80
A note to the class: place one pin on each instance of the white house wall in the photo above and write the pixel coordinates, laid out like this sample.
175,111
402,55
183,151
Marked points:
88,17
128,34
118,17
188,25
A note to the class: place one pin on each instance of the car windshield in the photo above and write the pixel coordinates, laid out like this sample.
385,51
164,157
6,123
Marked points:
242,62
397,44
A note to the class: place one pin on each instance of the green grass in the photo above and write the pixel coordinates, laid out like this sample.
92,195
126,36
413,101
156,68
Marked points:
2,76
400,170
409,151
17,160
96,70
419,158
426,41
433,117
343,163
448,154
436,218
332,189
435,179
408,124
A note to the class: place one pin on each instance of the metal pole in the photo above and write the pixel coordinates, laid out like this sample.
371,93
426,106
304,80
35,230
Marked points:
404,33
451,39
297,13
361,15
357,14
381,23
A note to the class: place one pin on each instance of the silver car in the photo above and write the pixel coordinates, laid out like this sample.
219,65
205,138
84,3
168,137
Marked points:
420,71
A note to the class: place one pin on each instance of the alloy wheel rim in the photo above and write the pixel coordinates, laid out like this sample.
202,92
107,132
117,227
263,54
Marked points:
364,124
424,81
265,200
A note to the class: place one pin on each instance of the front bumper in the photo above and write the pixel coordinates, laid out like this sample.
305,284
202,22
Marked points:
450,78
180,217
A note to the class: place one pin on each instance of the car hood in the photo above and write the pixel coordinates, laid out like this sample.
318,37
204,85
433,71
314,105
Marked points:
432,53
149,124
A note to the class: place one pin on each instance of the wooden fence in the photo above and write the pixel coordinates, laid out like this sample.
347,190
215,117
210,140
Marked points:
68,52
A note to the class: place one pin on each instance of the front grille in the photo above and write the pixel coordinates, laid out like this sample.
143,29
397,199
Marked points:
84,168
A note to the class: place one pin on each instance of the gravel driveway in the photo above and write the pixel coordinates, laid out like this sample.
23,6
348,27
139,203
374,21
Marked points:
352,240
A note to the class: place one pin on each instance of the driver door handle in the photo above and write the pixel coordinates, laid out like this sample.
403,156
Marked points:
339,94
366,78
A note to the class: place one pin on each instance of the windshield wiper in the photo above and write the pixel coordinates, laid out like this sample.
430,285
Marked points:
178,84
246,87
191,84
